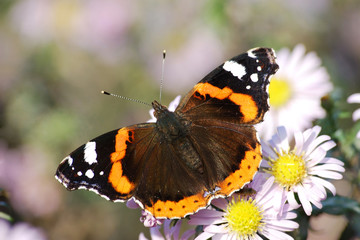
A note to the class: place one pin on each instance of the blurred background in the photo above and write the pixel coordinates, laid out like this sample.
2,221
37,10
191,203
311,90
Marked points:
57,55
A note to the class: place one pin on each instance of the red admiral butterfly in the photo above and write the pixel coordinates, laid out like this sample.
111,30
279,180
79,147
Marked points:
206,149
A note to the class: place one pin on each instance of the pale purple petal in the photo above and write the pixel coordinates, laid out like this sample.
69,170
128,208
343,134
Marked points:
267,151
175,231
354,98
315,157
310,135
187,234
220,203
174,103
304,201
328,145
204,236
153,118
216,229
156,234
333,161
292,201
322,182
283,225
167,229
299,142
149,220
317,142
132,204
142,237
329,166
328,174
274,234
356,115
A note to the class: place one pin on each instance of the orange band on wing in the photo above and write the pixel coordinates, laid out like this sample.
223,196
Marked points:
124,135
120,182
248,167
173,209
247,104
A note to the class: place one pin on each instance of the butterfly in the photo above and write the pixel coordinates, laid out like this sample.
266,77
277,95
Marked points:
207,148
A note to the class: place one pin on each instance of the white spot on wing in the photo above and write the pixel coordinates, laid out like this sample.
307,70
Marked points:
89,173
79,173
248,87
235,68
90,153
259,68
251,54
254,77
101,173
70,160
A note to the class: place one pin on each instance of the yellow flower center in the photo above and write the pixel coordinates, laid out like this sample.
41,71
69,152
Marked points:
244,218
279,92
289,169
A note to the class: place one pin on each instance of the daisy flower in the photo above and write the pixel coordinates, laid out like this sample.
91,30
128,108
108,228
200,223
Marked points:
295,92
301,170
169,232
246,216
355,98
172,106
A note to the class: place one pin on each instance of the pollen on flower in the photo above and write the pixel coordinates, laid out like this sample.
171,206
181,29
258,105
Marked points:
279,92
244,217
288,169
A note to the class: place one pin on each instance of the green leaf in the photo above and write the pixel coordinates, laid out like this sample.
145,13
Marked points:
339,205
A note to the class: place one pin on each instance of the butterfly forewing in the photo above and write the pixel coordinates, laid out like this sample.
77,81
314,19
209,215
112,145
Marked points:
236,91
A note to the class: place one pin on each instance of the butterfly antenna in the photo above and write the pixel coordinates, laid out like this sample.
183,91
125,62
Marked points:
162,73
126,98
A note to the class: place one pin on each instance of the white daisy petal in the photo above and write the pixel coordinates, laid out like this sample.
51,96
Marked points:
292,201
304,201
328,174
301,170
204,236
333,161
272,225
283,225
354,98
205,221
316,157
296,91
321,182
316,142
267,151
174,103
356,115
328,145
299,142
216,228
275,234
328,166
172,106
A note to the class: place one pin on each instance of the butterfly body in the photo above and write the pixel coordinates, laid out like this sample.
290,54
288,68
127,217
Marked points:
206,148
